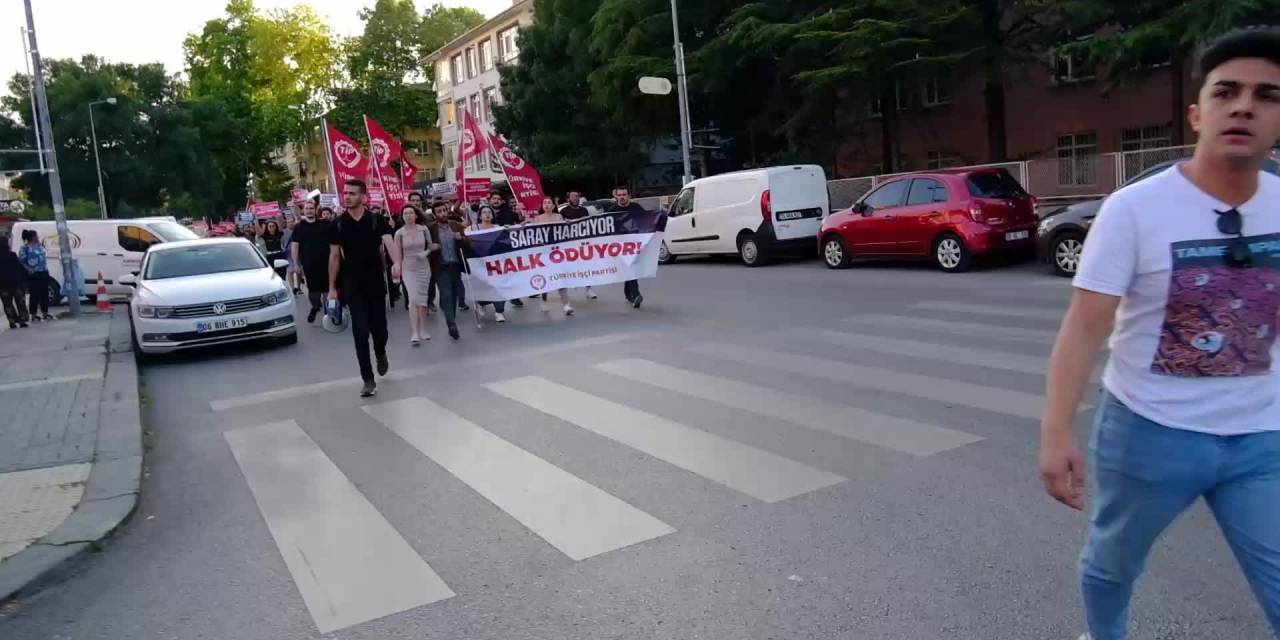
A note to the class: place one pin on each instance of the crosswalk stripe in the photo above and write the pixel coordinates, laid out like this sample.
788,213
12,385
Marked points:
959,328
1053,315
945,390
571,514
349,563
757,473
928,350
899,434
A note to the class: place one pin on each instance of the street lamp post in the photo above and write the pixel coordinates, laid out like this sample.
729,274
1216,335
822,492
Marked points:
51,163
93,131
686,136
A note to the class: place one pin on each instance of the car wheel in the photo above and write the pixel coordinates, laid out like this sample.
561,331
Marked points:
665,256
951,255
749,250
1065,253
834,253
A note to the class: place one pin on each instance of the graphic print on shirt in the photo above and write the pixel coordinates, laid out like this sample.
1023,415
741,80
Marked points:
1220,321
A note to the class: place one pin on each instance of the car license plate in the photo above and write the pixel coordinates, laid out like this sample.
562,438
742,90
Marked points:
1017,235
790,215
221,325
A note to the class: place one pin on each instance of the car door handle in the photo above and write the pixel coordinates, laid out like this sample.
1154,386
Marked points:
102,253
935,214
693,222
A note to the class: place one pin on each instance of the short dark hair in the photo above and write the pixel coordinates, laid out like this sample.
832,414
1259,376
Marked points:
364,188
622,187
1249,42
414,193
495,193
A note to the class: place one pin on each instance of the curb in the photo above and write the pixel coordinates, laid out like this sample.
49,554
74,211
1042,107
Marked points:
110,493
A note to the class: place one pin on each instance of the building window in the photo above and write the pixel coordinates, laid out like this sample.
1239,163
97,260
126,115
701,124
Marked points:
905,96
1071,66
475,107
471,62
942,160
874,108
1078,159
457,70
486,55
490,99
936,91
443,77
1142,138
507,48
447,113
450,156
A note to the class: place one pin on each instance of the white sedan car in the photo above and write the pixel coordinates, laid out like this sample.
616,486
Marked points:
196,293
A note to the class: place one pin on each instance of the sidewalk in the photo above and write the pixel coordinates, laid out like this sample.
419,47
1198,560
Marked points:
70,442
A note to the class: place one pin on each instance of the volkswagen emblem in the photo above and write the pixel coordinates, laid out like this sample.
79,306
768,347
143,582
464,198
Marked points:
219,308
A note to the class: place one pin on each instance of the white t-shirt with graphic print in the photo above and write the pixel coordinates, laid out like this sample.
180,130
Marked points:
1194,345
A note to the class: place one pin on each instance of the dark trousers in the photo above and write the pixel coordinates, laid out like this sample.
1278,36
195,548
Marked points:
38,293
393,289
631,289
15,306
450,282
368,318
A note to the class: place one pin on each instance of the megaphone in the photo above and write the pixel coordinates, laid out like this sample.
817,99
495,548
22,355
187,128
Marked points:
336,317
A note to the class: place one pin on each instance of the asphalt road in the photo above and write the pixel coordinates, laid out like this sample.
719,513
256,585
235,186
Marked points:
786,452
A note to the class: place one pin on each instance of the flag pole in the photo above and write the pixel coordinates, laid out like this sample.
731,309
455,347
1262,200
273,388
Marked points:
377,166
328,154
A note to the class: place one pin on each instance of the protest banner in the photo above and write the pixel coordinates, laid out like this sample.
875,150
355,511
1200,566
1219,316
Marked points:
477,189
515,262
299,196
244,217
376,198
200,228
264,210
386,155
525,183
442,189
331,200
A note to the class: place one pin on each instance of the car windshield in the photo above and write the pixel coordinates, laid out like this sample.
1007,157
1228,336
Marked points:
172,231
202,259
994,184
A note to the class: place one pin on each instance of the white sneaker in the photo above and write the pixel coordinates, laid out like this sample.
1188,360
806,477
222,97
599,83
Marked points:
545,308
498,317
482,311
1086,636
568,310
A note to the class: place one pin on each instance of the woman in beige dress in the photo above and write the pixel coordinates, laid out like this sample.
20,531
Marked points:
416,247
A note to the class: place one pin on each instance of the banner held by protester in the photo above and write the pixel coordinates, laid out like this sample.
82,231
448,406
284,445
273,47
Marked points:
515,262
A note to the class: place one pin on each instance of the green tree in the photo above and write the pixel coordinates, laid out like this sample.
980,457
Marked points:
547,113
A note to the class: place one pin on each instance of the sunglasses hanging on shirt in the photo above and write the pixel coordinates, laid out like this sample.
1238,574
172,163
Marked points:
1231,223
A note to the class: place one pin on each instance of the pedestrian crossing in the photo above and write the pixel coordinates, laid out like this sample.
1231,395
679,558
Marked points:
351,565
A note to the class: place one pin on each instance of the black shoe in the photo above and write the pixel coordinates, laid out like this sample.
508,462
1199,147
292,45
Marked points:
453,332
13,325
517,303
311,317
637,301
22,325
383,364
432,308
462,306
369,390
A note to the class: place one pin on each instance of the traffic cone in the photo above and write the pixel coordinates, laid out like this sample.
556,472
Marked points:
103,303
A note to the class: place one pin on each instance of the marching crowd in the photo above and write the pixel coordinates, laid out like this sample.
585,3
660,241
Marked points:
368,260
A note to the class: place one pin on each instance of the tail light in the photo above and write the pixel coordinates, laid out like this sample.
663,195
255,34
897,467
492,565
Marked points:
976,212
766,205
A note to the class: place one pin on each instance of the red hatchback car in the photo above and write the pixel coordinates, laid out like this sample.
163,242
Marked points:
946,216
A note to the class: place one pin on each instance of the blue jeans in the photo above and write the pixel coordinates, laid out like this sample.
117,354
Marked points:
1144,475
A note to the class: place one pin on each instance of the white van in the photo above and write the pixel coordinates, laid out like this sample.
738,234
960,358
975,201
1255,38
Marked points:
113,247
753,213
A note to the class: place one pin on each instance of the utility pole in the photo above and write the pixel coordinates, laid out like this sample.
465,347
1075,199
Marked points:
686,137
93,132
51,165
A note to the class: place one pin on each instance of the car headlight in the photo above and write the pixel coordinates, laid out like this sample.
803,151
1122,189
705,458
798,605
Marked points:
150,311
1044,225
276,298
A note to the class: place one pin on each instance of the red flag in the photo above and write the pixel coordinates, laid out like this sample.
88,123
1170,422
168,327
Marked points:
523,179
385,149
407,173
345,160
473,144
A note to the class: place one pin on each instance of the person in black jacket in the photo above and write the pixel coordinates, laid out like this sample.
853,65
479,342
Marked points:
503,214
13,286
622,202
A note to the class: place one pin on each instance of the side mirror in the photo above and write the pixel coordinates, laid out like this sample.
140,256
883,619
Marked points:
128,279
280,264
862,208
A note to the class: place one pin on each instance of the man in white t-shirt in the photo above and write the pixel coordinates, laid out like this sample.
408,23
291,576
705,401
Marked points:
1186,266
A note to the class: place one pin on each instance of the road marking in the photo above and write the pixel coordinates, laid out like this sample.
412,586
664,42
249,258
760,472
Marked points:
571,514
944,390
27,384
899,434
757,473
349,563
1053,315
988,331
316,388
925,350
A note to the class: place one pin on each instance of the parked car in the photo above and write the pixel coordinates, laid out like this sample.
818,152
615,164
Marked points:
112,247
949,217
754,213
1060,236
204,292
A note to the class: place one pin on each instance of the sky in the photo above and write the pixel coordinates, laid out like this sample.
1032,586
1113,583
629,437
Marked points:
116,30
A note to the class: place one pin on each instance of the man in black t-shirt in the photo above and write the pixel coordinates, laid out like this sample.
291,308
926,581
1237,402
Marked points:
357,240
622,202
309,246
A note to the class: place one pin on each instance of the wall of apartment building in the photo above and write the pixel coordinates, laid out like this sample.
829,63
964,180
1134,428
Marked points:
467,76
1045,119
